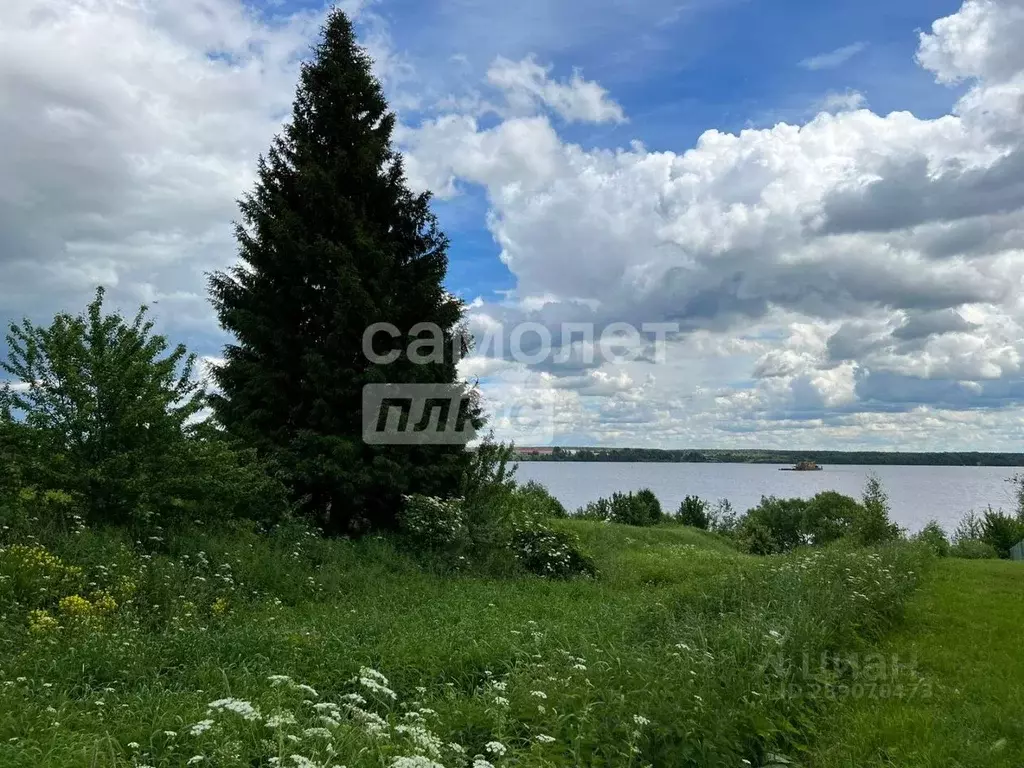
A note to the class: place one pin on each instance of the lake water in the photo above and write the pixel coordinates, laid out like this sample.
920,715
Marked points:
917,494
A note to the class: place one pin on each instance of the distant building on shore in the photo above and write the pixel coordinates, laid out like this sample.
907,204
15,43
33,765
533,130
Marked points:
535,451
546,451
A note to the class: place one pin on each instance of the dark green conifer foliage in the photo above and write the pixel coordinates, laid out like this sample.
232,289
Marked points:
331,242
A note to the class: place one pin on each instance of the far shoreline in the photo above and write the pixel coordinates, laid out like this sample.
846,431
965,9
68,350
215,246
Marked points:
824,458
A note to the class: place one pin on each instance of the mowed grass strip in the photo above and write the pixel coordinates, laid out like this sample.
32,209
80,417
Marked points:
962,703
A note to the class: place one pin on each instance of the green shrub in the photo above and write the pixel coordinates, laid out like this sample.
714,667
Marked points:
641,508
973,549
645,508
113,420
830,516
874,527
779,525
539,500
1017,482
488,490
29,512
1001,531
596,510
693,511
552,554
431,522
724,518
998,531
773,526
934,537
499,528
969,528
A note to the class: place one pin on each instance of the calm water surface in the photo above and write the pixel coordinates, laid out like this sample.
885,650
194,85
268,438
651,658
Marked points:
917,494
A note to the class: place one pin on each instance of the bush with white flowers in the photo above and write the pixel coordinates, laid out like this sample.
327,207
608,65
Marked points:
434,523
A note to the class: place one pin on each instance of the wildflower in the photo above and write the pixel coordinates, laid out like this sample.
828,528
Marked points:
501,701
417,761
539,694
543,738
373,683
321,733
104,604
195,759
496,748
243,708
201,727
170,734
581,667
373,723
355,698
280,718
374,674
41,623
276,680
75,606
133,745
307,689
479,762
641,720
425,740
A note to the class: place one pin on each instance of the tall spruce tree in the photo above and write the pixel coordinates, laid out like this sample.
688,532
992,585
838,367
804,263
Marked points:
331,242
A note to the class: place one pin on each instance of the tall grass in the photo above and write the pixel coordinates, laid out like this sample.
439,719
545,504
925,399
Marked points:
237,649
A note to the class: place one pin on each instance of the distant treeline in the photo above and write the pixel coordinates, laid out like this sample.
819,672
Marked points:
965,459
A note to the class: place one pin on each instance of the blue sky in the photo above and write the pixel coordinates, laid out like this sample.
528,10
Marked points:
824,197
677,69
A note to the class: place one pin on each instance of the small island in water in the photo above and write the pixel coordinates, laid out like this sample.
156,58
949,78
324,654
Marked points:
803,466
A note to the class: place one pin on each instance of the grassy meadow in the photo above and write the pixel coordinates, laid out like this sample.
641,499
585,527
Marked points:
242,649
962,641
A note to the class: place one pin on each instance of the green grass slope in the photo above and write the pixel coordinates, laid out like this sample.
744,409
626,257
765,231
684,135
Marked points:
958,702
238,650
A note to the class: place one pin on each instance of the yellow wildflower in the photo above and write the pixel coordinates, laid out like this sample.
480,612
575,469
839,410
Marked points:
103,604
220,606
76,606
41,623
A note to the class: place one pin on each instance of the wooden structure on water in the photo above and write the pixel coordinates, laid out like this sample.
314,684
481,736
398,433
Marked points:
803,466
